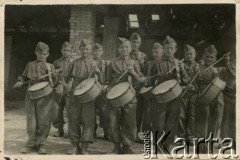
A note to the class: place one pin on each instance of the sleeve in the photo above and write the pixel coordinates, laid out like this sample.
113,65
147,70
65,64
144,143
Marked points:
184,75
23,76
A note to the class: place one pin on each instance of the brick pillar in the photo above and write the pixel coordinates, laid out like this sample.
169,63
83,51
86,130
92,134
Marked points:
82,24
110,35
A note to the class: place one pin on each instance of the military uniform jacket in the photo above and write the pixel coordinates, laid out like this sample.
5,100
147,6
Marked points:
140,57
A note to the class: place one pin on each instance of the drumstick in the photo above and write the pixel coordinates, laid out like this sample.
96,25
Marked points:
175,66
29,81
122,75
195,76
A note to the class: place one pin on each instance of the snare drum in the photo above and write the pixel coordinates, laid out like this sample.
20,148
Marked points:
146,91
87,90
39,90
212,91
120,94
167,91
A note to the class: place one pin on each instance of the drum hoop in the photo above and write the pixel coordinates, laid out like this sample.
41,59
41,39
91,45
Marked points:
165,85
40,88
122,93
88,89
148,90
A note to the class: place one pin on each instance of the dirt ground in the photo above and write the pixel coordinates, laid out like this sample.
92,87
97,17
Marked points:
15,135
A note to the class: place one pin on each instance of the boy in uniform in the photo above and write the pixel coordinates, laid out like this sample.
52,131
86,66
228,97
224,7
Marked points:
61,101
101,100
141,58
209,116
123,119
164,117
38,111
187,112
81,116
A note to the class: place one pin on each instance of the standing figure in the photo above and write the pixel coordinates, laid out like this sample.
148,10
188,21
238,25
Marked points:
38,107
123,119
187,112
101,100
61,101
81,116
165,116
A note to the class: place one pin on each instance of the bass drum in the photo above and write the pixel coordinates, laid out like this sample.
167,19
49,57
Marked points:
39,90
120,94
212,91
87,90
167,91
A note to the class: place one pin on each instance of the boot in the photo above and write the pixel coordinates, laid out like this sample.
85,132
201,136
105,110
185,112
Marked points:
59,133
26,150
74,150
106,134
117,149
41,150
84,148
126,150
95,131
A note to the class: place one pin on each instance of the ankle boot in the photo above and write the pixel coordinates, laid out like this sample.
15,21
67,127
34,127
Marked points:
117,149
84,148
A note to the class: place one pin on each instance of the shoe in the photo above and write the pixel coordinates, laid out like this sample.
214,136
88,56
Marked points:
25,150
138,140
117,149
84,148
42,150
59,133
126,150
74,150
106,135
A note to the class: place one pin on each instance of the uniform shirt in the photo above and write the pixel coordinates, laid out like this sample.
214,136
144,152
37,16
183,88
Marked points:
102,66
35,70
63,63
80,70
164,65
140,57
118,66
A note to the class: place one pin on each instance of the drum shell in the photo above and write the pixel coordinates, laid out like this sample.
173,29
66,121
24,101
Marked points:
212,91
170,95
41,92
91,94
123,99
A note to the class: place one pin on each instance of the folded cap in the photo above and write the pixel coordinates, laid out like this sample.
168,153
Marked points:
121,41
66,44
84,43
157,45
168,40
135,36
211,49
41,47
189,48
97,46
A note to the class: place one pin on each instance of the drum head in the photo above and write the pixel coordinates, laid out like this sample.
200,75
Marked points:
38,86
164,87
117,90
84,86
145,89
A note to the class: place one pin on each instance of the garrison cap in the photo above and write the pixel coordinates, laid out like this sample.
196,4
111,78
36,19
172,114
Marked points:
168,40
135,36
85,42
97,46
41,47
189,48
211,49
66,44
157,46
121,41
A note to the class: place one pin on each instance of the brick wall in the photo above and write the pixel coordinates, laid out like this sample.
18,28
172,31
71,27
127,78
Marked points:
82,24
110,34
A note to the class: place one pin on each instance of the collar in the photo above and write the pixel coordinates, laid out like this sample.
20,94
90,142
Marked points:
165,58
125,58
38,61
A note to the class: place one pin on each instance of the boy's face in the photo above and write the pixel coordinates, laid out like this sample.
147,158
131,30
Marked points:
66,51
135,44
170,49
86,51
97,53
209,58
42,55
190,56
157,53
125,48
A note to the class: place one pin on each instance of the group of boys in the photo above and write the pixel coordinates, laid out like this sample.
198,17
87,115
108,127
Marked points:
143,113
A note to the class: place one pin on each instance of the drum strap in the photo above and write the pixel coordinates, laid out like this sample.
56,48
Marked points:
50,76
177,70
